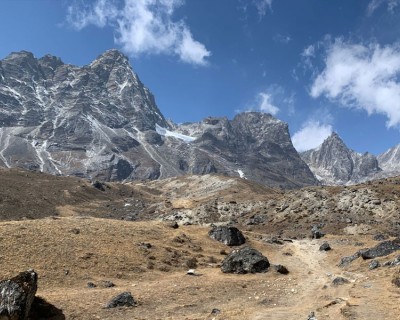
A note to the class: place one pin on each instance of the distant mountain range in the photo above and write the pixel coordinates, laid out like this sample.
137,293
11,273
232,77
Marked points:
99,122
333,163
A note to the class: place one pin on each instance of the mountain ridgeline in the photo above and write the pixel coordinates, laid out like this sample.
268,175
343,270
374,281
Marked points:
99,122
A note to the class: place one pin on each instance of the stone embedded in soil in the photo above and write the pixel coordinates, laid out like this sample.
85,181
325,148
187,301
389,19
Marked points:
281,269
339,281
245,260
374,264
231,236
17,295
124,299
325,247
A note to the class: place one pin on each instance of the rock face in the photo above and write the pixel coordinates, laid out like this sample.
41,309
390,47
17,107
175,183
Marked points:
389,161
17,295
245,260
99,121
230,236
333,163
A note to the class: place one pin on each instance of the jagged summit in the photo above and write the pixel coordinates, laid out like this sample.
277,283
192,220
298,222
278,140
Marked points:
334,163
99,121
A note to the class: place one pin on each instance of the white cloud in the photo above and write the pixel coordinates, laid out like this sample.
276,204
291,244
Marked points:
309,51
265,103
311,135
142,27
262,6
375,4
361,76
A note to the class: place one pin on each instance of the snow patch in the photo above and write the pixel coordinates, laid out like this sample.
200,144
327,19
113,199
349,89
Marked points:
241,174
167,133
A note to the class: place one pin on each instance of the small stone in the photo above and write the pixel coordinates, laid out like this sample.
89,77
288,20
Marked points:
325,247
173,225
281,269
75,231
374,264
215,311
91,285
340,281
107,284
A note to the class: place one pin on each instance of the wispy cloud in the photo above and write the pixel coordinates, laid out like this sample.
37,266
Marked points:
373,5
265,103
285,39
311,135
262,6
362,76
142,27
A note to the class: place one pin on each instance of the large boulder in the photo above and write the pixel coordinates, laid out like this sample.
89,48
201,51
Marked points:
125,299
245,260
383,249
17,295
230,236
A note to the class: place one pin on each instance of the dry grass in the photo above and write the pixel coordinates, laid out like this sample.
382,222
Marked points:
66,259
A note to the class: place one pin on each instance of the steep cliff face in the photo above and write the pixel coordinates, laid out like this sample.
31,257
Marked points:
334,163
99,121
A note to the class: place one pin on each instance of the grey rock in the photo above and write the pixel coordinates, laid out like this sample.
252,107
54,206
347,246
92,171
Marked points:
231,236
345,261
374,264
124,299
325,247
245,260
312,316
316,233
382,249
17,295
339,281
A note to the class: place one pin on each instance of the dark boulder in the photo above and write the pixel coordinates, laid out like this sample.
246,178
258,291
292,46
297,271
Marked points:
245,260
230,236
325,247
382,249
17,295
124,299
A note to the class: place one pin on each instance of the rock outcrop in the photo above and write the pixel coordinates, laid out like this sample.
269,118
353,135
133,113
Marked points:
17,295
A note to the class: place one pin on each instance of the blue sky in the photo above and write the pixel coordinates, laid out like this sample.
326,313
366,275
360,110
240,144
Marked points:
319,65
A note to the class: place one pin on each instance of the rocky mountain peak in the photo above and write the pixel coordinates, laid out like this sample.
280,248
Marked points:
99,121
334,163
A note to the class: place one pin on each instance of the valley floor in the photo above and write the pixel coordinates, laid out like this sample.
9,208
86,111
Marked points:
150,259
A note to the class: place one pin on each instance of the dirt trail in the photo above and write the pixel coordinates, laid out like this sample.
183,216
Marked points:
314,272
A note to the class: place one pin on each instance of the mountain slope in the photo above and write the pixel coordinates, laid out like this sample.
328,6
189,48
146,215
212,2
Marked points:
99,121
335,164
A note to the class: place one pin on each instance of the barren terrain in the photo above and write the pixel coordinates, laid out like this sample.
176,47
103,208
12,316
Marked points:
72,233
